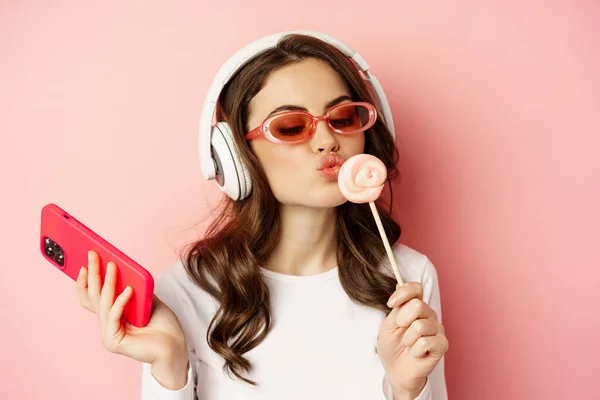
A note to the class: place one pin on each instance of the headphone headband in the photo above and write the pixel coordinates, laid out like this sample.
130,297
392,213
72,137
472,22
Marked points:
242,56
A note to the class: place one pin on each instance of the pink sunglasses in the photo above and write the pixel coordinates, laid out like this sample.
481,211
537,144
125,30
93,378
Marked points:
298,126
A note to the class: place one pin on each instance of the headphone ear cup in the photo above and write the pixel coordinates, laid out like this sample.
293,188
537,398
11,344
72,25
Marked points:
231,174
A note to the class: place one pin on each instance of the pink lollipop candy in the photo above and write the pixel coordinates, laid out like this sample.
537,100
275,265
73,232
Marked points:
361,178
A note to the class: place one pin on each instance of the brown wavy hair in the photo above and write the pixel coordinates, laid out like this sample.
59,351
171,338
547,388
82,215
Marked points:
226,262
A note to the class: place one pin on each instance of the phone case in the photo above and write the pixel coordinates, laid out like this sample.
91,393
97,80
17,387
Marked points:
65,241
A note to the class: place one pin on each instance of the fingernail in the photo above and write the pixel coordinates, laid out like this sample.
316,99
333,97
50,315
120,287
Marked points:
392,302
89,255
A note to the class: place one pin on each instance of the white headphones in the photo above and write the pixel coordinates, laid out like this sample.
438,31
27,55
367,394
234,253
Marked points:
219,158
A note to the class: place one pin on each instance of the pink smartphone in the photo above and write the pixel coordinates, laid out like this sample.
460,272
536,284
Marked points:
65,241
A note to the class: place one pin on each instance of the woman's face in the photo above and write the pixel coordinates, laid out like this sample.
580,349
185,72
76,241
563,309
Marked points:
292,169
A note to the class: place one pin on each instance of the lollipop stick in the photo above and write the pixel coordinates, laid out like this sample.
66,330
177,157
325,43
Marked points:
386,243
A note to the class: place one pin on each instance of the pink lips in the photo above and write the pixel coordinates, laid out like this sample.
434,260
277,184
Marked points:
330,165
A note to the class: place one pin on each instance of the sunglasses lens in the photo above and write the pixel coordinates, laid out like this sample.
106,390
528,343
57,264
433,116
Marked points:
295,126
290,127
350,118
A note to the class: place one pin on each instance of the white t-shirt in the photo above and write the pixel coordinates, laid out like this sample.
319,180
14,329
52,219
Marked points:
321,345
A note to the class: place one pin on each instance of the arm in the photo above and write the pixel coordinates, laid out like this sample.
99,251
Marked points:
164,385
173,378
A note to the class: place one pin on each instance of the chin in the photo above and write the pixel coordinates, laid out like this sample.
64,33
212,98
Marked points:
322,198
326,199
327,204
334,201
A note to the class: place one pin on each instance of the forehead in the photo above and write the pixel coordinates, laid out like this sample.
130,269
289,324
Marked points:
309,83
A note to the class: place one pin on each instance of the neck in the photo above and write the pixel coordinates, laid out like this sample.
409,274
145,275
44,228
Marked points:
307,244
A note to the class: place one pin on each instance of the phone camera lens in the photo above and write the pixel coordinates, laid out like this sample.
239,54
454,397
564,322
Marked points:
49,251
54,251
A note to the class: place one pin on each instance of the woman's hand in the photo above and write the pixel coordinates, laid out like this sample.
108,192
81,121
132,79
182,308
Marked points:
411,341
160,343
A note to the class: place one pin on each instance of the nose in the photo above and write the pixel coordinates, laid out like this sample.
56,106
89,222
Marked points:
324,140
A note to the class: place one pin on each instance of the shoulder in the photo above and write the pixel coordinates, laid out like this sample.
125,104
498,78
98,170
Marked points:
190,303
172,285
413,265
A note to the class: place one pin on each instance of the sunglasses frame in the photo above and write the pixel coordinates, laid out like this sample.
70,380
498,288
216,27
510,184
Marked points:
263,128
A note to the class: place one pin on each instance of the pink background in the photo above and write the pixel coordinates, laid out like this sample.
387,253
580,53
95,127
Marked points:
497,104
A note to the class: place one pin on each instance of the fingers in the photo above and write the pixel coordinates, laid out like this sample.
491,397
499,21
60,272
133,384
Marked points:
414,322
421,328
82,292
107,294
93,294
436,346
412,310
406,292
94,280
97,294
113,317
405,313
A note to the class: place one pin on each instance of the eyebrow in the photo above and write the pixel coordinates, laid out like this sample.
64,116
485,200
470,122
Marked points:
291,107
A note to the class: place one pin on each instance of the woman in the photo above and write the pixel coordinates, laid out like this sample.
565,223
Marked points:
289,295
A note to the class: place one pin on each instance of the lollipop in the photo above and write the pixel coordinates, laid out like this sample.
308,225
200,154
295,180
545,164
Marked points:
361,179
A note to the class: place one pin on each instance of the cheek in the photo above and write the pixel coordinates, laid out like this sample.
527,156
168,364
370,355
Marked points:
279,161
352,145
272,155
285,173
